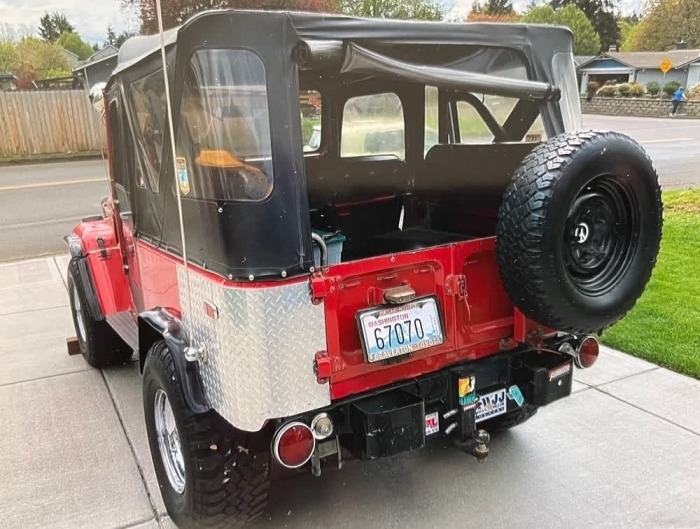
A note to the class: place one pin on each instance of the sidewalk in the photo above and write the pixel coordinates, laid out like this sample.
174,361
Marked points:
622,451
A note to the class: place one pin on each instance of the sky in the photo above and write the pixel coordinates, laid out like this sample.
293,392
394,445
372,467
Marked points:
92,23
90,17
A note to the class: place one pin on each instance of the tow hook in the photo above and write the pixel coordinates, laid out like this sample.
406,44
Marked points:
478,446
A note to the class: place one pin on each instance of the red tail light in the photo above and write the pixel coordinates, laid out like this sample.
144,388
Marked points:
293,445
587,352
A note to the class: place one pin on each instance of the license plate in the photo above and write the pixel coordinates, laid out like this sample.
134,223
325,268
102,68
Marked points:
491,405
399,330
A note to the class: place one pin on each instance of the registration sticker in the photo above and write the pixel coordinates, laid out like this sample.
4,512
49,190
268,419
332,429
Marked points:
491,405
515,394
432,423
183,178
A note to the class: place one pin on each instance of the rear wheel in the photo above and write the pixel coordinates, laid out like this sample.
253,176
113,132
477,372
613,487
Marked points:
99,344
210,474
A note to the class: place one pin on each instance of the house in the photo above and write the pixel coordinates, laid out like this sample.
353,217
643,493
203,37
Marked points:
640,67
8,81
97,68
71,57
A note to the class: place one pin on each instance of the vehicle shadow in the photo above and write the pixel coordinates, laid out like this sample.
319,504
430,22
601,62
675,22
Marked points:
409,490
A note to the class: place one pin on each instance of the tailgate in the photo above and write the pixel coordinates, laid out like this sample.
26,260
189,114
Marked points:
456,284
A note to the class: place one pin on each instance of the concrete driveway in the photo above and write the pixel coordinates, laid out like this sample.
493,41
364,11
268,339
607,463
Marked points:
622,451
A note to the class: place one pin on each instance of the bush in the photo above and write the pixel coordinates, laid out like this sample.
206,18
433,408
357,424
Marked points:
636,90
653,88
610,82
694,92
607,91
670,87
593,87
624,89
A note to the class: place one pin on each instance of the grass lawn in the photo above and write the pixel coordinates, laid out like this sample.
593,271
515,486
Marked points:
664,326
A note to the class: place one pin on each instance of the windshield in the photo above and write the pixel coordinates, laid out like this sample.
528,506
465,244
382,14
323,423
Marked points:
223,148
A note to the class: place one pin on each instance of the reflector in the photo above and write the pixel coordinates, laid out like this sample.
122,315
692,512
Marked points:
294,444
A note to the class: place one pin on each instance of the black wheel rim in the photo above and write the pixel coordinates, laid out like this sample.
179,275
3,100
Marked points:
600,235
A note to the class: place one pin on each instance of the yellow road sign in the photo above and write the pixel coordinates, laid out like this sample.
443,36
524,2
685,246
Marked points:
666,65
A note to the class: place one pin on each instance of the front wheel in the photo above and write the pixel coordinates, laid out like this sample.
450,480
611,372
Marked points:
99,344
210,474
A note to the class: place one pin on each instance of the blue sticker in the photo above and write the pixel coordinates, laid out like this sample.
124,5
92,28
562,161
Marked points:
515,394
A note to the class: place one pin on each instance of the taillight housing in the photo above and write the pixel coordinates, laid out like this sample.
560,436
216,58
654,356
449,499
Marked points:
587,352
293,444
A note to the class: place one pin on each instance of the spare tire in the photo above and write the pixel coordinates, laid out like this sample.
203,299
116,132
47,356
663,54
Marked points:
579,230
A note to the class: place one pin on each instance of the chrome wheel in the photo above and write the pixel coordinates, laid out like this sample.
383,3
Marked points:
169,442
79,315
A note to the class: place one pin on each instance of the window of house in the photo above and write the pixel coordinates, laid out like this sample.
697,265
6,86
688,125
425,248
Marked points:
311,103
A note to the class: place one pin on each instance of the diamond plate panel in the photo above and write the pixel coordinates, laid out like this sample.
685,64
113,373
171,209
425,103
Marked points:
260,350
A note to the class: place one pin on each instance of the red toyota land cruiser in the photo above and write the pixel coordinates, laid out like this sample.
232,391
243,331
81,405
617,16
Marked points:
434,263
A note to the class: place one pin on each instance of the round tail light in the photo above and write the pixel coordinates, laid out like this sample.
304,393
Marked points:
587,352
293,445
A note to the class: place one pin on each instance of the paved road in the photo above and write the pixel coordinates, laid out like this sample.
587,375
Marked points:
621,452
40,203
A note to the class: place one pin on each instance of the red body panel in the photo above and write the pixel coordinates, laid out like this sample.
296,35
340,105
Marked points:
477,313
106,265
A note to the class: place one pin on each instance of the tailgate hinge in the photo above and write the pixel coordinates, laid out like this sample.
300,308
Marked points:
456,285
322,287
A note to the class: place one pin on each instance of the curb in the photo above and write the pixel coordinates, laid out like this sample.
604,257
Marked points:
55,158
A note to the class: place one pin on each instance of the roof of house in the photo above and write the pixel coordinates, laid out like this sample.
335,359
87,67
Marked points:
7,76
583,59
105,53
649,59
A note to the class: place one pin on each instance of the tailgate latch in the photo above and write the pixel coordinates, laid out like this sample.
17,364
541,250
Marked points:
456,285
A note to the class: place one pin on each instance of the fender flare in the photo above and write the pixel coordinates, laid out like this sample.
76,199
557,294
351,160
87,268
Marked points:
159,324
79,264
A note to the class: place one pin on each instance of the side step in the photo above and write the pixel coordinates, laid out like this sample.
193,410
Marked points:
124,324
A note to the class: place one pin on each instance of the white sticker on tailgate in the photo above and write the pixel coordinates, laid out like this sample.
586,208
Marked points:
491,405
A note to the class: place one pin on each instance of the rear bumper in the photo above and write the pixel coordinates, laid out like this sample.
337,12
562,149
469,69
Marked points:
451,402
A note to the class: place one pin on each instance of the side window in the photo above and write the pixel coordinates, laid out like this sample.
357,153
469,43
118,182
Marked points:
311,103
224,146
373,125
472,128
148,104
431,118
118,158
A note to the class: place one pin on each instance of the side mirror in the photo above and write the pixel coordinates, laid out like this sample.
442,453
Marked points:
97,97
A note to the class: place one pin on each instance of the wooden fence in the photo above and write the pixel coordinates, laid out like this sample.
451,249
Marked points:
34,123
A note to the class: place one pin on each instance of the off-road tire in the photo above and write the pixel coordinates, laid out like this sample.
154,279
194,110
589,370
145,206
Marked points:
579,230
99,344
510,419
226,479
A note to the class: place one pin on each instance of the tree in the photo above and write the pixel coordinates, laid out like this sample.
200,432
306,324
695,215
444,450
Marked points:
47,60
485,17
111,35
176,12
628,32
8,57
493,7
586,40
73,43
601,15
401,9
668,22
121,38
51,26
